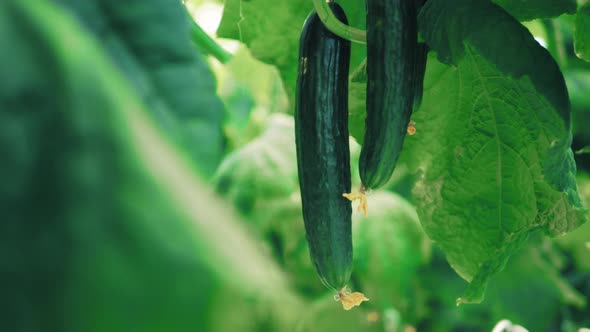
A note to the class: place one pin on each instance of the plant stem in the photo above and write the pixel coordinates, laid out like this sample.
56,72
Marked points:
202,40
338,28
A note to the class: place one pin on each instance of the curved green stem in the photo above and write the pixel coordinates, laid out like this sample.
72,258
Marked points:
202,40
338,28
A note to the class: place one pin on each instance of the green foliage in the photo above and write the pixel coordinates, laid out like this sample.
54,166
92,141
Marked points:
529,276
251,90
271,30
255,23
529,292
578,85
102,216
582,33
324,315
526,10
248,179
389,248
248,176
491,174
578,241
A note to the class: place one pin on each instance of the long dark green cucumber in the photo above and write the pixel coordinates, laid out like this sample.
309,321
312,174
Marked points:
391,56
323,156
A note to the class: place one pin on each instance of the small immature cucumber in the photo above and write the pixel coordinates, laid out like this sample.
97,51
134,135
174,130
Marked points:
323,156
391,84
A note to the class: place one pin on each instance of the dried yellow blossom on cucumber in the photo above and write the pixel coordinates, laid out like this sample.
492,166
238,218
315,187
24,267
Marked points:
362,197
350,300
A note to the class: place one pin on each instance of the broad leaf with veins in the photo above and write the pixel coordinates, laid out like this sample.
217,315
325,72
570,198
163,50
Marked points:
493,144
526,10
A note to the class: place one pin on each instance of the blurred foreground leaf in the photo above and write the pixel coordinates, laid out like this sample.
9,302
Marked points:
106,227
150,41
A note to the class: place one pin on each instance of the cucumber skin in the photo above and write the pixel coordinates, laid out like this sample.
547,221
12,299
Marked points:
323,155
391,84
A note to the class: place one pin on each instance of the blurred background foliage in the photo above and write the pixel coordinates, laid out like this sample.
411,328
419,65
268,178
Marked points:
147,186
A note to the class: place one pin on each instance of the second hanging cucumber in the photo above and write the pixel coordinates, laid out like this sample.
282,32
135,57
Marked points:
391,56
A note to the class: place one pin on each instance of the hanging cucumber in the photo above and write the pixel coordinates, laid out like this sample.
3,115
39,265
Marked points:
323,156
391,57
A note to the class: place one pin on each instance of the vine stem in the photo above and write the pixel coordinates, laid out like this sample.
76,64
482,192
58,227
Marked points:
338,28
202,40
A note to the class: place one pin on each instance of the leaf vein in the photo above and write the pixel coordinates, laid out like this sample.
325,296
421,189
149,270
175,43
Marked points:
497,135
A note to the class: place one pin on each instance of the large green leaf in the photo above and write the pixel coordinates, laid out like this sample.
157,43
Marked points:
271,30
150,41
493,140
582,33
526,10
